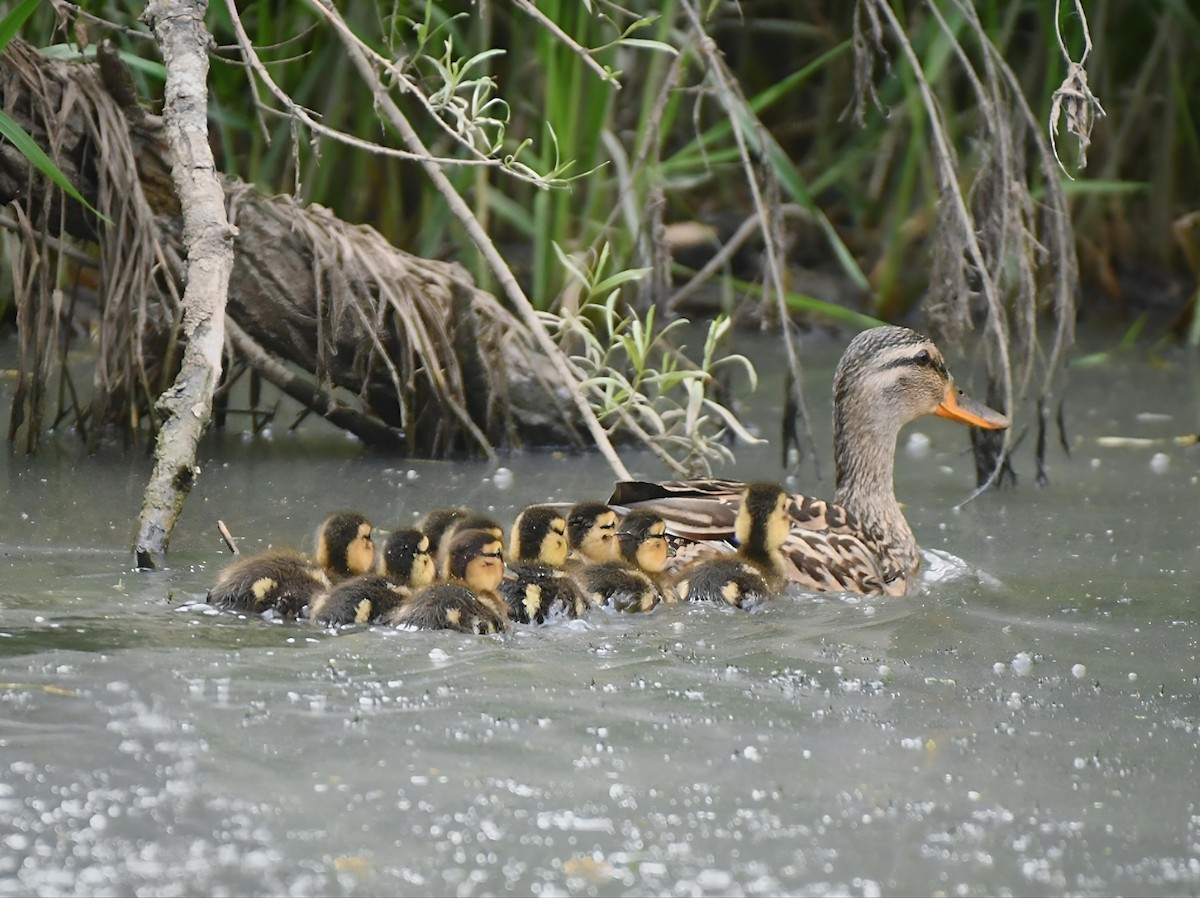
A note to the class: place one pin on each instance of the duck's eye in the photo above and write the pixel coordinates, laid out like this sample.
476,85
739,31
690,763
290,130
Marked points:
923,358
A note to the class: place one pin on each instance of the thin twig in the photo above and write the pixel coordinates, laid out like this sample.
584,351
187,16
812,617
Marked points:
540,17
305,117
228,537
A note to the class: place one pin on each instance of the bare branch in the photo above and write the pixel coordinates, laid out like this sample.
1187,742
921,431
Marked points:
179,28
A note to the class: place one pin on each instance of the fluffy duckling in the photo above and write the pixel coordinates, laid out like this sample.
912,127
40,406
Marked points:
468,601
404,567
469,521
537,587
286,581
759,568
437,523
632,583
591,534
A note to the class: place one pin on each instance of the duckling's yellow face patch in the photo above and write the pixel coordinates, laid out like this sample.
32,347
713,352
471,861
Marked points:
652,552
600,542
554,547
486,570
360,554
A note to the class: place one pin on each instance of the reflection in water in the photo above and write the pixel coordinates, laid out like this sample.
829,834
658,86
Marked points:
1026,722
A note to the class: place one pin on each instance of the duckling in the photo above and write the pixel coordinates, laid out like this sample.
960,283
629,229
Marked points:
286,581
469,521
437,523
467,602
591,534
632,583
759,568
537,587
404,566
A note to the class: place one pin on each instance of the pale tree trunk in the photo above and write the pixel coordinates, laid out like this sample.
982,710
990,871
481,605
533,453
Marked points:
208,238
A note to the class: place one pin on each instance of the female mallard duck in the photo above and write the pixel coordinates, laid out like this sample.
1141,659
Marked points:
536,587
860,542
633,583
404,567
286,581
592,534
467,601
759,568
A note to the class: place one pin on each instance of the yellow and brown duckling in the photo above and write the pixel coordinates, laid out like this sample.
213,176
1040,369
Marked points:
469,521
636,581
404,567
285,582
467,601
758,570
536,587
436,525
591,534
861,541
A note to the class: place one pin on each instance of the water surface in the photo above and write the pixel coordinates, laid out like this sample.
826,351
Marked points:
1025,723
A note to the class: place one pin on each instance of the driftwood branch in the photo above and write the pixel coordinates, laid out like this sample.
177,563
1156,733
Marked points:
178,25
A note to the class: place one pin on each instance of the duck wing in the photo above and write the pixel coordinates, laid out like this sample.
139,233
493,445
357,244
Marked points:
828,549
695,510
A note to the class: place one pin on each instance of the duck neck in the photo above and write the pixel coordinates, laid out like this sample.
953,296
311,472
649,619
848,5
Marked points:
865,459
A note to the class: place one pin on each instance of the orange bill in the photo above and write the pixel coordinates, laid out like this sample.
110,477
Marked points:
958,407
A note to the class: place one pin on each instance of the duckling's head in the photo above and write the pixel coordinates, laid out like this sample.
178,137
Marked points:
344,544
437,523
591,531
539,534
643,539
470,521
405,557
476,558
763,520
892,375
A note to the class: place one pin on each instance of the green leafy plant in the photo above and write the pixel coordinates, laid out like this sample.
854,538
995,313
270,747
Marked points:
637,379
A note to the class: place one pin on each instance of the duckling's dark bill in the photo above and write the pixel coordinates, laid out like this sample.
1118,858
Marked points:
959,407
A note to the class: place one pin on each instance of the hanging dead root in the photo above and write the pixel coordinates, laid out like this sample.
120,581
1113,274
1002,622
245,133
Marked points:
1074,98
400,350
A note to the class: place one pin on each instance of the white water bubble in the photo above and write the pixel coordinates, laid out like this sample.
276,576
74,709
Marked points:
918,444
1022,664
1078,671
502,478
1160,462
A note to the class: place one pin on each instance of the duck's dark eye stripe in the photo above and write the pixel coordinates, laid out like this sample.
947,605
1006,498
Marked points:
922,359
